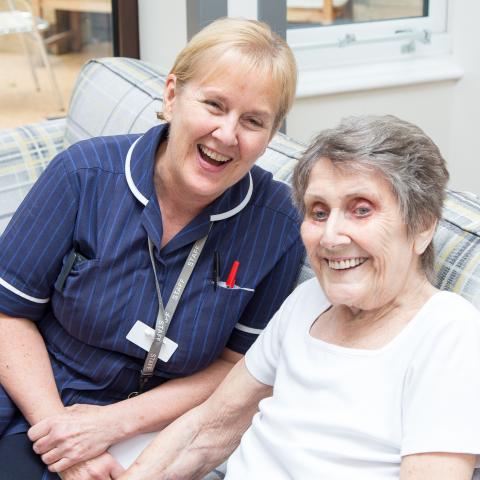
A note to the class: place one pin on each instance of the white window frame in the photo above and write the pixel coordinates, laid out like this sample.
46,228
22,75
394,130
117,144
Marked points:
383,53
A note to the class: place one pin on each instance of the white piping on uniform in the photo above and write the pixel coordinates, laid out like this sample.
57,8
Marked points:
244,328
239,207
213,218
128,174
5,284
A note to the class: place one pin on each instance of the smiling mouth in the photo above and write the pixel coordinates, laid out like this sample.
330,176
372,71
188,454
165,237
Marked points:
212,157
346,264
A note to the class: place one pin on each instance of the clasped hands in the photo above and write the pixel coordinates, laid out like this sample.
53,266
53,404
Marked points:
74,443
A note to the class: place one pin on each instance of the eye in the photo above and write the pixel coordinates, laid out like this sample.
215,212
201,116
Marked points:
319,214
363,211
214,104
255,122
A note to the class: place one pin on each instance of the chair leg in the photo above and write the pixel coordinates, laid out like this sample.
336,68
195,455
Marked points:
28,53
46,62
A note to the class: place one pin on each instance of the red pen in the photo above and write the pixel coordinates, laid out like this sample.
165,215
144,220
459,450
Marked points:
230,283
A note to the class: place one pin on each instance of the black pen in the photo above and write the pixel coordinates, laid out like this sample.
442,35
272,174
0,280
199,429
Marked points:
216,269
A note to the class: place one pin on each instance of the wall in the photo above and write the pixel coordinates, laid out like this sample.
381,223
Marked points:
162,31
447,111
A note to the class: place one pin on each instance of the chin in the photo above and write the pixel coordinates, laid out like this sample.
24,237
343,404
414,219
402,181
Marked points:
343,295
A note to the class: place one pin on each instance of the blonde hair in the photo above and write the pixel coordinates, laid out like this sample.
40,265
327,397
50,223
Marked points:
261,50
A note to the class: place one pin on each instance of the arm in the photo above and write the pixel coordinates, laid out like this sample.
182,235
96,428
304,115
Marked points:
25,370
200,440
85,431
440,466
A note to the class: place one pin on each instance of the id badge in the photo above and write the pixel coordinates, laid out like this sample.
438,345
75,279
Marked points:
142,336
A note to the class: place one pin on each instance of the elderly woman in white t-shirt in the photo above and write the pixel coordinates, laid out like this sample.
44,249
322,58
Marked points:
375,373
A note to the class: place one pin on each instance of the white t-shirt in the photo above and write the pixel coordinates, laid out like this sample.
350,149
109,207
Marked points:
340,413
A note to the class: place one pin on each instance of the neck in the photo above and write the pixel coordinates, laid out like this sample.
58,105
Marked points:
177,208
372,328
418,291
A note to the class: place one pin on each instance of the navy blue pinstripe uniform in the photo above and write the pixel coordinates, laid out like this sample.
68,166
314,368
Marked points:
98,198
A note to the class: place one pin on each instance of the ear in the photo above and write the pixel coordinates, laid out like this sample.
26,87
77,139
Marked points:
169,94
423,239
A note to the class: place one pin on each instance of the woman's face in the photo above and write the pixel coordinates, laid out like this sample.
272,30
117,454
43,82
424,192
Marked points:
219,126
356,239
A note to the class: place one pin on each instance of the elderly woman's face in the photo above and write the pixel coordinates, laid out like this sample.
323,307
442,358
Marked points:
219,126
356,239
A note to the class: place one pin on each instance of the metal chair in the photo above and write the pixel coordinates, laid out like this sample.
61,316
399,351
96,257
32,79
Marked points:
15,20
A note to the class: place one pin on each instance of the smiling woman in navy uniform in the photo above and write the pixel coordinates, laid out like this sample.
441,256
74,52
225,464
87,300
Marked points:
123,235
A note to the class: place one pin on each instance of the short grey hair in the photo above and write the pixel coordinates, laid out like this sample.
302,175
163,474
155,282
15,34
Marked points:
400,151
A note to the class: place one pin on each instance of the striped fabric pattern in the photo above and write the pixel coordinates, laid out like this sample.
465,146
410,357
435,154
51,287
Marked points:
24,154
86,202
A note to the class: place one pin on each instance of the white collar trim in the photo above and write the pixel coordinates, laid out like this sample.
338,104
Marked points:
128,173
144,201
239,207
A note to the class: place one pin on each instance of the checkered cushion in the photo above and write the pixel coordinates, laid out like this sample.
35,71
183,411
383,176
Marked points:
457,246
24,153
114,96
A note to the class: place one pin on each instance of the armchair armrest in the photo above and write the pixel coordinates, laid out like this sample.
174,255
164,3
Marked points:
24,153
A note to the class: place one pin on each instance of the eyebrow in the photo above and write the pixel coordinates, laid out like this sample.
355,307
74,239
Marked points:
219,96
355,194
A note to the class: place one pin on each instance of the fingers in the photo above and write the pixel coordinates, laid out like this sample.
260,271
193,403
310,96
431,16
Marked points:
43,445
103,467
61,465
116,470
52,456
39,430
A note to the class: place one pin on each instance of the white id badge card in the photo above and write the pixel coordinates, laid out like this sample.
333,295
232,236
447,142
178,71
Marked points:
142,336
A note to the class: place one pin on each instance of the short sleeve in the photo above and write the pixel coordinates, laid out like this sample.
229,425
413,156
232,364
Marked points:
268,297
35,242
263,357
441,405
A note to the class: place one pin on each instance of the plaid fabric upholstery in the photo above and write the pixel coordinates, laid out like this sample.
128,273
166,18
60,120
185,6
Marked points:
24,153
120,95
457,246
114,96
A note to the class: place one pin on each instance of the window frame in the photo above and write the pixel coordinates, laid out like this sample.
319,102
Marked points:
375,41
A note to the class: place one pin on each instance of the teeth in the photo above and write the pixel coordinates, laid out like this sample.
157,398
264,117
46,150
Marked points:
214,155
344,264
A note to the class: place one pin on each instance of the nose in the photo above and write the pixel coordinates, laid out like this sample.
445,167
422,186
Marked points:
226,131
335,234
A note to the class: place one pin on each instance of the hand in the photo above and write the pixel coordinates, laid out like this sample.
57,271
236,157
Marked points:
80,433
103,467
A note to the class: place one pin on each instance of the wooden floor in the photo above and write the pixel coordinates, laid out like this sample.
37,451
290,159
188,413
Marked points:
20,103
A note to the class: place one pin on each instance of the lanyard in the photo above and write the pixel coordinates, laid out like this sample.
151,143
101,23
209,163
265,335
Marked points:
165,315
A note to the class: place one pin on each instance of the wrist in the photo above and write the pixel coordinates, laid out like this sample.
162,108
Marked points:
120,421
44,410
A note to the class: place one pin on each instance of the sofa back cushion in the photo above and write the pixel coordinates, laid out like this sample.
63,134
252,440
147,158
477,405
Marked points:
24,153
457,246
114,96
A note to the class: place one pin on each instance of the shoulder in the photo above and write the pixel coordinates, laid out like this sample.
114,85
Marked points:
273,195
449,325
308,297
450,310
101,153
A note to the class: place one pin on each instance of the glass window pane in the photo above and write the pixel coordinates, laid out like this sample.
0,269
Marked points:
304,13
74,32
